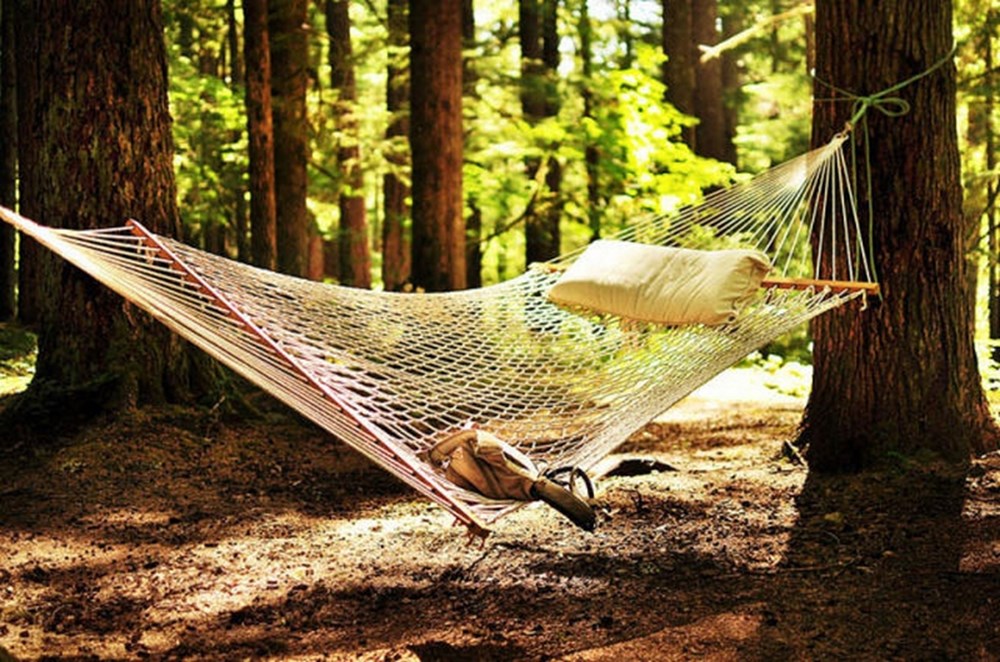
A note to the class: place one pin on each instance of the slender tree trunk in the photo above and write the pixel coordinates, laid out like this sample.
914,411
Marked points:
355,257
900,377
711,136
536,24
679,69
474,221
241,222
436,144
97,149
8,158
31,257
991,193
289,78
732,95
233,44
260,133
395,239
591,154
547,241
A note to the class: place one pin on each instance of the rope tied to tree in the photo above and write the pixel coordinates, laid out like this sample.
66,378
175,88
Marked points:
889,104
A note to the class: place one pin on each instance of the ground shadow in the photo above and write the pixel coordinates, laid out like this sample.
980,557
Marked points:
874,571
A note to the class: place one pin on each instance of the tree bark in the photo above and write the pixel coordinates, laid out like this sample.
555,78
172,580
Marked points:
233,44
900,377
591,153
97,150
539,61
474,221
679,69
395,240
289,79
436,144
355,257
260,133
8,159
711,137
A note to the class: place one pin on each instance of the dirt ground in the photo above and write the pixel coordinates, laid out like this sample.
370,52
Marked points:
178,535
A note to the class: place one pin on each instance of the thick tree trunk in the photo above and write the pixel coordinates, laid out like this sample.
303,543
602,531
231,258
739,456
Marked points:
97,150
436,144
8,158
355,257
711,136
395,239
900,377
680,67
289,78
260,133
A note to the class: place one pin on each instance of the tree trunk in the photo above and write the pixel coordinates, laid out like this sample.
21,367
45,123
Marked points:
8,158
289,78
97,150
900,377
233,44
591,154
711,136
436,144
355,257
260,133
539,59
395,242
474,221
679,69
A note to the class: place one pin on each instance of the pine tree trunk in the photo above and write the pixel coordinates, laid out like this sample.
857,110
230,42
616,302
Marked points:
679,69
355,257
900,377
260,134
289,78
474,221
539,51
395,242
31,257
97,150
711,137
591,154
436,144
8,159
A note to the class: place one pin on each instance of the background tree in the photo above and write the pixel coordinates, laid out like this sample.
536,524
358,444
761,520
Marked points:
436,144
539,39
289,79
902,376
8,158
355,257
260,131
712,139
680,67
395,235
95,129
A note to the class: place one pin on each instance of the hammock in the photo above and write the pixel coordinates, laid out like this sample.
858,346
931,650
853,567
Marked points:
393,374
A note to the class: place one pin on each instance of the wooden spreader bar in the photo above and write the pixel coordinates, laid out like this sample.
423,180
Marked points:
783,283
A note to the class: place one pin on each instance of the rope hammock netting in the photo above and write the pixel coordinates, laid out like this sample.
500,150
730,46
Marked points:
393,375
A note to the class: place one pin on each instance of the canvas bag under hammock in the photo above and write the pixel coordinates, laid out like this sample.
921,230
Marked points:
478,461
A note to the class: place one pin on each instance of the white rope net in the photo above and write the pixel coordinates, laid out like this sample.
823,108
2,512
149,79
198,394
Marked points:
391,374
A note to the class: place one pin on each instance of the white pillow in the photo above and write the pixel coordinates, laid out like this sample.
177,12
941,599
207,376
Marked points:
660,284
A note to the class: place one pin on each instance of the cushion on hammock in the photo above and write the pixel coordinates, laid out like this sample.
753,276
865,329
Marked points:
660,284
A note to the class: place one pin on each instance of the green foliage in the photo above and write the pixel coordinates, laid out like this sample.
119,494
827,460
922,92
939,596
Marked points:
210,146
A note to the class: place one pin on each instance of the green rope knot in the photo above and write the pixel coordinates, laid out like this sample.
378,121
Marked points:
891,106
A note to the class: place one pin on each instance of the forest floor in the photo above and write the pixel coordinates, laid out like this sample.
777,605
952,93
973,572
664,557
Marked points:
176,534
